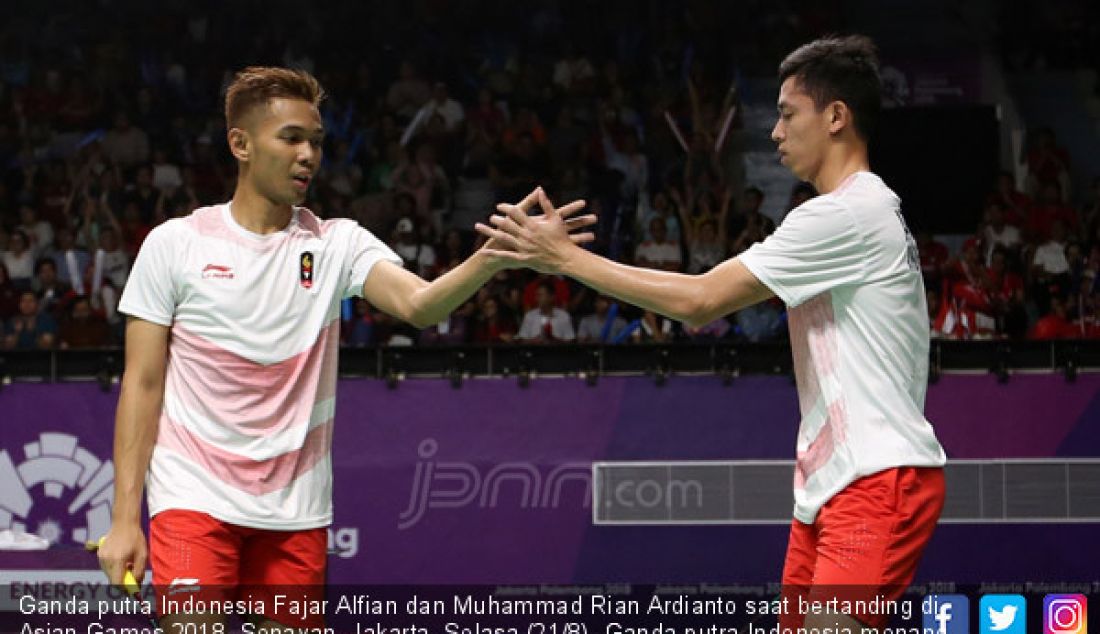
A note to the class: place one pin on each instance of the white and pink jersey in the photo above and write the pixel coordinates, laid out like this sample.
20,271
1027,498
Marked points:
848,270
246,428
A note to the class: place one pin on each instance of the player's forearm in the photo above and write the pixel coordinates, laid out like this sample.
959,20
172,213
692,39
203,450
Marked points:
675,295
433,302
135,433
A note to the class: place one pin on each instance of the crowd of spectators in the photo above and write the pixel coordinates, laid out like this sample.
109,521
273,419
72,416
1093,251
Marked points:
110,124
1030,269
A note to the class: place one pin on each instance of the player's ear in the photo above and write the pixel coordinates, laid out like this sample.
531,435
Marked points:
839,116
240,145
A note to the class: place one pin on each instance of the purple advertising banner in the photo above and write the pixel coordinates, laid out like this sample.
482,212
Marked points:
928,80
490,483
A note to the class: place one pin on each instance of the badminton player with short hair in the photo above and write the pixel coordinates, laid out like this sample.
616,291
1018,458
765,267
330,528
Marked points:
226,412
868,482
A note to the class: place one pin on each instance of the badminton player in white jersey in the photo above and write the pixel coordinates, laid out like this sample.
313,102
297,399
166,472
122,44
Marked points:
226,411
868,482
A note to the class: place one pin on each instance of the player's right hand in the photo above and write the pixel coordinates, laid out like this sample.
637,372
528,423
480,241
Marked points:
123,548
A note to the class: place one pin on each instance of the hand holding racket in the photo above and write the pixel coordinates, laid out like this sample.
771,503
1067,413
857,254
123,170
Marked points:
128,582
122,556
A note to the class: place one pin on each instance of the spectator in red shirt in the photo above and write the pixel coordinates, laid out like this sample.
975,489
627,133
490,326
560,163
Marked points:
945,317
933,258
82,327
1049,210
972,290
561,291
492,325
1054,325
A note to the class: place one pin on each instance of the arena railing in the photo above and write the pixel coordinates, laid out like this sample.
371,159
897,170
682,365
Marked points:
589,362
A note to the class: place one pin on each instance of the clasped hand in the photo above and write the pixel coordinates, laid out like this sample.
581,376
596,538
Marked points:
543,242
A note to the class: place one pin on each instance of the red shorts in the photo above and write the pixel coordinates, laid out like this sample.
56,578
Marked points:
197,556
864,546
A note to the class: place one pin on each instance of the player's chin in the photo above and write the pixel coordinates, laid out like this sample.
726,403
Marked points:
296,196
791,165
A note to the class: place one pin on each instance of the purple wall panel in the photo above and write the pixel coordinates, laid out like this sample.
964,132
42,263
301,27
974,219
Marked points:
487,483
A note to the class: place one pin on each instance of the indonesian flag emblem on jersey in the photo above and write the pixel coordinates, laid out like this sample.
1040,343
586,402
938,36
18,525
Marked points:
306,271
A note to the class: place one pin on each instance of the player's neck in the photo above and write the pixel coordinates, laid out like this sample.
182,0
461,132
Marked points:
256,213
842,162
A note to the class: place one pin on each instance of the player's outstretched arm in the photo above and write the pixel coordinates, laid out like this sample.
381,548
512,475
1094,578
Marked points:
408,297
135,433
542,242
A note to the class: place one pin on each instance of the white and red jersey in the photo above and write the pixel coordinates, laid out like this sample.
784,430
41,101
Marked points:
849,271
246,427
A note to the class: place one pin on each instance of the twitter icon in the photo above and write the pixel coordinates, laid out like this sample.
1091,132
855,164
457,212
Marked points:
1003,614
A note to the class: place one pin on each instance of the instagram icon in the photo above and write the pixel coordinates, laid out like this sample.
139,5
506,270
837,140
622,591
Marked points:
1065,614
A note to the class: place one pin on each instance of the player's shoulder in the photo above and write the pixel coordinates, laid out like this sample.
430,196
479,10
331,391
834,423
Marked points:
865,188
860,192
328,228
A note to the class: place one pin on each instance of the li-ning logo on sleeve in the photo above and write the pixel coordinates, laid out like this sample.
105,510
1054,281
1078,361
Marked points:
912,255
217,271
305,269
